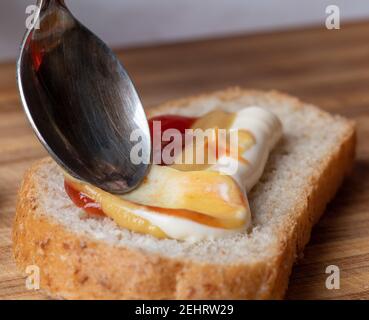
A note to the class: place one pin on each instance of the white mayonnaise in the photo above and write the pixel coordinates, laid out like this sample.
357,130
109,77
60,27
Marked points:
267,131
266,128
184,229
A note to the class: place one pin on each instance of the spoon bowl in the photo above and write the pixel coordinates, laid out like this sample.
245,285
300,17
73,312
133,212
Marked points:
81,102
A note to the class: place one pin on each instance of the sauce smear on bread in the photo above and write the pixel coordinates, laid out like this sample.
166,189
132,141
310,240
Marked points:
180,123
83,201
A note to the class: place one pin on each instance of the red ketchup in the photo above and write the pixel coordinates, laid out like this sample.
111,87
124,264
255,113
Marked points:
180,123
83,201
37,52
169,121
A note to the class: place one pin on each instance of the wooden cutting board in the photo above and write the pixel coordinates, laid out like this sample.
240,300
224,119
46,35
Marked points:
327,68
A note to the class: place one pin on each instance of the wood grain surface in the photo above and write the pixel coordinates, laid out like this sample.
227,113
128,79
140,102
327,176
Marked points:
327,68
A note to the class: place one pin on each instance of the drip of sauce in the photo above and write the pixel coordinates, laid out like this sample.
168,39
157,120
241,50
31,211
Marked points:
83,201
37,53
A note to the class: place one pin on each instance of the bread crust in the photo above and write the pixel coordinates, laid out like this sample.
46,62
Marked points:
75,266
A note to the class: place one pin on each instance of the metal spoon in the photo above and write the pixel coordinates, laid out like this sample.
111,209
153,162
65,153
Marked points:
81,102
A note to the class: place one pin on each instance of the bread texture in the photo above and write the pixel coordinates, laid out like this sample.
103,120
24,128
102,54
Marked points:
87,258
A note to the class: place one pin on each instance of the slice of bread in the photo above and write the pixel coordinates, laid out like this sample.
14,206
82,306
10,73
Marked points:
83,257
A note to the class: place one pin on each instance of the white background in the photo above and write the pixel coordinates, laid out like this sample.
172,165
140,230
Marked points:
136,22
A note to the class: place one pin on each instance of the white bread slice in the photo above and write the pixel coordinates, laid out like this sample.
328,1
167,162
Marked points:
85,258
